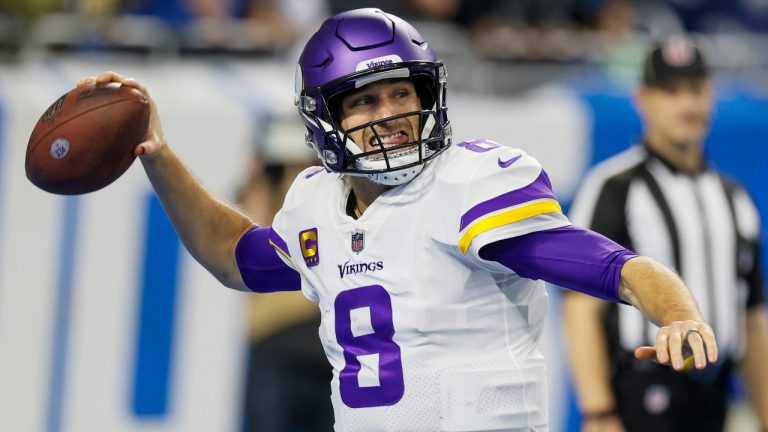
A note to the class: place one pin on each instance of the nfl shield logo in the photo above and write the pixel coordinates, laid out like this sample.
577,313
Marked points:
358,242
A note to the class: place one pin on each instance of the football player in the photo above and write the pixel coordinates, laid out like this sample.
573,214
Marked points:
426,258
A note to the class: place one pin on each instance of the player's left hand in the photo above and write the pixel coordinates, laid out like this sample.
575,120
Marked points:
672,340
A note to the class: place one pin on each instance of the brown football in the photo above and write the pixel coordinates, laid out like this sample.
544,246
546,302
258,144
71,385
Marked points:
85,140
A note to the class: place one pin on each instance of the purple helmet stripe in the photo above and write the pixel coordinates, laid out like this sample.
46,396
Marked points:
538,189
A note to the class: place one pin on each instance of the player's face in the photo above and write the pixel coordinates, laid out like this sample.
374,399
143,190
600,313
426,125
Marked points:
376,101
678,111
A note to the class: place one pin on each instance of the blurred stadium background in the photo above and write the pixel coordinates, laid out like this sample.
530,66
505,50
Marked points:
107,324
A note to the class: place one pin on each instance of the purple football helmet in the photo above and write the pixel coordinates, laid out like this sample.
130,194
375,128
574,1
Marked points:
349,51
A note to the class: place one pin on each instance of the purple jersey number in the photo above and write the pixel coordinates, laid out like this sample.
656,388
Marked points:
479,145
391,387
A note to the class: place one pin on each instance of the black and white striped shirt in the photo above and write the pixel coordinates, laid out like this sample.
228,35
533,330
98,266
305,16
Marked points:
704,225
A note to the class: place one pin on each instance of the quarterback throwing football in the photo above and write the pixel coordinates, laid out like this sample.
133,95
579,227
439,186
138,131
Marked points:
426,258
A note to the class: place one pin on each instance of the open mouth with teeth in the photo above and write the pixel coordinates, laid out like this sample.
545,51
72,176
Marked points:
389,140
394,154
395,144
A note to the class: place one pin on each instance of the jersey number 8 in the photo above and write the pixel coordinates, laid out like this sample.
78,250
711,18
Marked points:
379,342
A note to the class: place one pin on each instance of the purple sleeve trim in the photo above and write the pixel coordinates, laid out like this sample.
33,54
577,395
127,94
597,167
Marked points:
538,189
571,257
277,241
262,270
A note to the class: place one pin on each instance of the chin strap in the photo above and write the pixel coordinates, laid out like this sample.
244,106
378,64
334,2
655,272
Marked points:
395,178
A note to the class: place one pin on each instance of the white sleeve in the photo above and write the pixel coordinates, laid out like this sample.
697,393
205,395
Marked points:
507,194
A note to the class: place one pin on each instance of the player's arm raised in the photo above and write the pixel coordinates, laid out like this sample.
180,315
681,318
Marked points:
209,227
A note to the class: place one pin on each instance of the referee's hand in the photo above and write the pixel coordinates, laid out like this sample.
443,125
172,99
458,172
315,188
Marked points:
673,340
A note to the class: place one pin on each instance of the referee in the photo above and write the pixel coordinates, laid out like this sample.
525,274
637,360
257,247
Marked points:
662,199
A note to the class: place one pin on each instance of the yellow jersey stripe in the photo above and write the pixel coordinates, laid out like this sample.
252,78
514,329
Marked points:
510,216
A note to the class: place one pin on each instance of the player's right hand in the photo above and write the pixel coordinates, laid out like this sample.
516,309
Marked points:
673,340
154,141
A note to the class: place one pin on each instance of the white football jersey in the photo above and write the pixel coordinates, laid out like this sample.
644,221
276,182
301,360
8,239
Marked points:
422,333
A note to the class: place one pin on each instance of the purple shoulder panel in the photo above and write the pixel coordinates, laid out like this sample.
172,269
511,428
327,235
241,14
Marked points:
538,189
262,270
571,257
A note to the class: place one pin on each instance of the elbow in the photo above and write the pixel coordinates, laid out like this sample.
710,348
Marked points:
229,280
226,273
632,273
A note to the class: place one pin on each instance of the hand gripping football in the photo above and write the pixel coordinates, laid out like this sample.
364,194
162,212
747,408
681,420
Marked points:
85,140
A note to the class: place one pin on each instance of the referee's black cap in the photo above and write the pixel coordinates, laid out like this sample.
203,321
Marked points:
673,57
